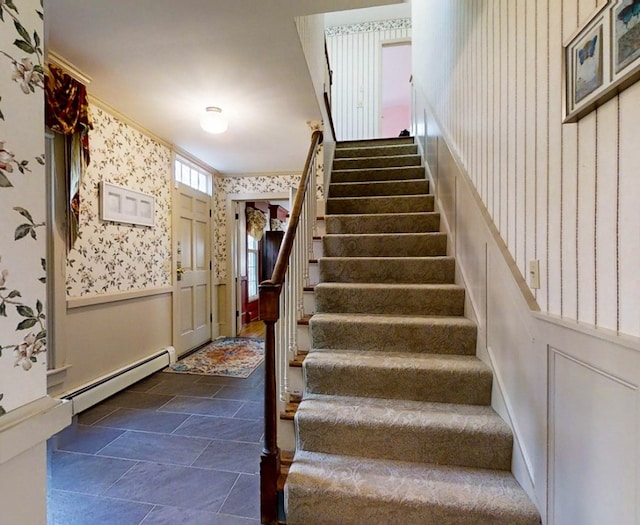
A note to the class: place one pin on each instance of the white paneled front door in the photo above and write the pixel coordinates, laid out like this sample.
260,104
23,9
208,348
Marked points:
192,278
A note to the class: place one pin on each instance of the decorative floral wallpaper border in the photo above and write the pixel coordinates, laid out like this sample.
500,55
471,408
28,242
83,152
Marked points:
369,27
110,257
23,336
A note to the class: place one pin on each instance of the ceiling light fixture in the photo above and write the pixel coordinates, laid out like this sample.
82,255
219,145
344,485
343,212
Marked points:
213,121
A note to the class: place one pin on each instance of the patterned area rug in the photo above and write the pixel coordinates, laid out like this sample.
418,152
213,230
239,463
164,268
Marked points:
227,356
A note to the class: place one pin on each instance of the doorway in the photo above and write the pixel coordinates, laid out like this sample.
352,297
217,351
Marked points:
251,252
395,88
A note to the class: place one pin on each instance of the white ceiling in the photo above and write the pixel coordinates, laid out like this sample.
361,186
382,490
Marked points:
161,62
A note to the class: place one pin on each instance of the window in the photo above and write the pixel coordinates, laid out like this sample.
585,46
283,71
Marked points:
252,268
193,176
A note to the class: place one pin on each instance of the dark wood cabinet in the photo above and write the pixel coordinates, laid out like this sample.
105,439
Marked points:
270,247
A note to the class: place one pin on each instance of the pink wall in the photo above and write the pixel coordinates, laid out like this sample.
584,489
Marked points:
396,89
395,119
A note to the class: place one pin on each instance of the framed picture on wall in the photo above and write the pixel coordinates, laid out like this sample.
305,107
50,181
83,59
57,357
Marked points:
587,64
625,25
120,204
602,58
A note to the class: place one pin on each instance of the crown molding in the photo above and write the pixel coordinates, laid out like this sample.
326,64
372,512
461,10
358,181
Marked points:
55,59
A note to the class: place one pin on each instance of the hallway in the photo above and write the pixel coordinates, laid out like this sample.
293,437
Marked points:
170,449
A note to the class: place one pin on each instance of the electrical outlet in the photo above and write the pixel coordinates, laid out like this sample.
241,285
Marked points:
534,274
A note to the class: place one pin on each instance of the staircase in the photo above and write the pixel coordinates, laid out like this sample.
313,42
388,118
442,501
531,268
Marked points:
395,424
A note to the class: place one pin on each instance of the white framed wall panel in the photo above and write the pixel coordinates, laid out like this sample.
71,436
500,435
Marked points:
594,416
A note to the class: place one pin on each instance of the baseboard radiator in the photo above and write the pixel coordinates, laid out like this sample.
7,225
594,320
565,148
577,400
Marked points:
100,389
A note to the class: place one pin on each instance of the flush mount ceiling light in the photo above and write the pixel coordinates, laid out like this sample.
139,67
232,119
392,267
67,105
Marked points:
213,121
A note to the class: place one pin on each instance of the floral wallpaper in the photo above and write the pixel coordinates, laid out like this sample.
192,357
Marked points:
23,336
223,186
109,257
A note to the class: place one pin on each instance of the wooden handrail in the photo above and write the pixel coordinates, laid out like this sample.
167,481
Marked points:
270,291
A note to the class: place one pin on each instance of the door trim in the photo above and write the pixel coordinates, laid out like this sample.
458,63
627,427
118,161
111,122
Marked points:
232,249
175,187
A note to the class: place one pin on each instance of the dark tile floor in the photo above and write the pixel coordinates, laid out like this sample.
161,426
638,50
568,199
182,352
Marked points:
171,449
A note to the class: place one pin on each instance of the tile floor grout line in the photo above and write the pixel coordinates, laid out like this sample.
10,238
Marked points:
148,514
135,463
229,493
244,500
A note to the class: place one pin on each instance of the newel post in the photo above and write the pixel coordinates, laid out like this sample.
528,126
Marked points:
270,458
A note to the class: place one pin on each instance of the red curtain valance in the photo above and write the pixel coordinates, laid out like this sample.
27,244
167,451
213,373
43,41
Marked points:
67,113
67,107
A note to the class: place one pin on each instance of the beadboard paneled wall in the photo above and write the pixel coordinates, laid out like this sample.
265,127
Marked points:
354,56
564,194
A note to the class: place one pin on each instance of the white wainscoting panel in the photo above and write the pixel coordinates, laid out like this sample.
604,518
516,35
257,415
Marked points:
595,442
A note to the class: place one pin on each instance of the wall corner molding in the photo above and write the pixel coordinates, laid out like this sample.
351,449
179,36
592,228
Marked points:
25,427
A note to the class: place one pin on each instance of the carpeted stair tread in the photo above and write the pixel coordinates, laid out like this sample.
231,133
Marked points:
417,222
378,174
376,151
438,378
394,333
325,489
380,204
365,143
438,433
385,245
434,269
379,188
377,162
384,298
395,424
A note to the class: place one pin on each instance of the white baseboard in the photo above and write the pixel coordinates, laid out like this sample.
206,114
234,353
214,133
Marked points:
103,387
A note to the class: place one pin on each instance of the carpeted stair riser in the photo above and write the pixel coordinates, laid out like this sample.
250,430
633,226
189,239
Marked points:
328,489
392,373
376,151
393,333
418,222
385,245
400,299
377,162
377,174
387,270
386,204
437,378
379,188
374,143
441,434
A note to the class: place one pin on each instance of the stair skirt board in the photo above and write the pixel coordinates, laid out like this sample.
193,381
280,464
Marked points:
100,389
395,424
